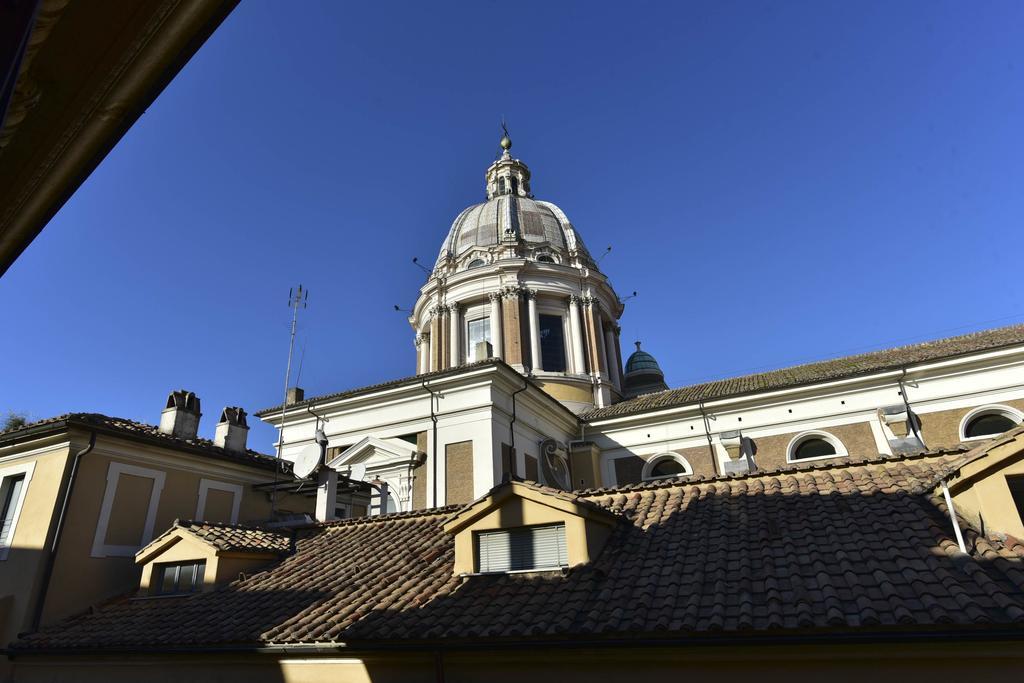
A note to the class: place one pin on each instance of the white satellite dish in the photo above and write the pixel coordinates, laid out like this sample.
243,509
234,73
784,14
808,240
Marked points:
357,471
307,461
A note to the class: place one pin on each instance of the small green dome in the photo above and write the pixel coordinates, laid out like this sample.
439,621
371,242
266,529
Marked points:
640,361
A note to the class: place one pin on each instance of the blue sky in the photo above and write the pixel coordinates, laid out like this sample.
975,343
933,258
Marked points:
781,182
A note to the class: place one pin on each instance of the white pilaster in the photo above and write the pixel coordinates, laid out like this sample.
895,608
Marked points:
575,333
495,298
423,346
535,359
454,334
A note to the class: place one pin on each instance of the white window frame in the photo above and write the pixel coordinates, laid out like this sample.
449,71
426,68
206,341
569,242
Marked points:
547,307
114,472
474,312
649,464
991,409
204,488
26,469
815,434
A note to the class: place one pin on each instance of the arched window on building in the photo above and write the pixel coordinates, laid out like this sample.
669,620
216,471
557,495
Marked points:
545,258
814,446
666,465
988,421
475,263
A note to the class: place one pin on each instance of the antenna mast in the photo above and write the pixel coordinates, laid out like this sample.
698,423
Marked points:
297,298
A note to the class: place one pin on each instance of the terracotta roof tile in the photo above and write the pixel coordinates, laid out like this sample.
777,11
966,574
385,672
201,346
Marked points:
144,432
827,549
238,537
810,373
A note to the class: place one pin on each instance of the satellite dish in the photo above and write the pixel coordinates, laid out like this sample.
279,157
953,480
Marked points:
357,472
307,461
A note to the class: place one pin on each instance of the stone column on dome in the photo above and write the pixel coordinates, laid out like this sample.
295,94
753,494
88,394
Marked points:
422,352
454,334
436,356
495,323
609,352
531,303
576,337
595,340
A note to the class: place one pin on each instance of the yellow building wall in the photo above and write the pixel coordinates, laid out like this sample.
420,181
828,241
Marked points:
80,580
21,572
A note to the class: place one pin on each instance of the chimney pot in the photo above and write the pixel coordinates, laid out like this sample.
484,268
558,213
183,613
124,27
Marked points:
232,430
180,417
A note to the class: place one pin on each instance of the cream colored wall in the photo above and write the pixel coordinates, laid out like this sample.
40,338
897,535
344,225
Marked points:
79,579
986,501
583,538
21,571
884,663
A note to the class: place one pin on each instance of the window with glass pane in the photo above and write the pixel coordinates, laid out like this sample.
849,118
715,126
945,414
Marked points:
552,343
989,424
477,331
184,577
10,494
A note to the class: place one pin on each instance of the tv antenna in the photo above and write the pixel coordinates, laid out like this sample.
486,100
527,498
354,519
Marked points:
416,262
297,298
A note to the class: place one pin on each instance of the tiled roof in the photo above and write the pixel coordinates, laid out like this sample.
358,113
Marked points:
864,547
349,393
142,432
236,538
810,373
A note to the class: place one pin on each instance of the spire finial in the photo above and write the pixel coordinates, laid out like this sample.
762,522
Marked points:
506,141
637,345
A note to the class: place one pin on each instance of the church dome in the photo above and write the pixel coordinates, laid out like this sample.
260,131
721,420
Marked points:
535,223
643,374
512,219
641,360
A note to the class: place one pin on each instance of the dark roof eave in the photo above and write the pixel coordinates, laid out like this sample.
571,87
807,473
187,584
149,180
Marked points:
983,633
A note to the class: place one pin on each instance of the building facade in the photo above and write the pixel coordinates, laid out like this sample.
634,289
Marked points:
80,494
520,374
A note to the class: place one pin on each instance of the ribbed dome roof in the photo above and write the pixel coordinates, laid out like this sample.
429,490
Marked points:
641,361
535,222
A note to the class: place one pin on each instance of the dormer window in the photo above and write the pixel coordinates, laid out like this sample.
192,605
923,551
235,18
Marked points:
475,263
531,548
520,527
546,258
181,577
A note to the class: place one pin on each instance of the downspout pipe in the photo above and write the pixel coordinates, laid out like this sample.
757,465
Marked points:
952,517
512,430
51,556
433,418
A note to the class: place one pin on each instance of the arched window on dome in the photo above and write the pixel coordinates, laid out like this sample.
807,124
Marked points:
546,258
475,263
664,466
814,446
988,421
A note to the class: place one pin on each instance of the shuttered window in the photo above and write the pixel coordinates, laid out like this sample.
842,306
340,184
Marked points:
525,548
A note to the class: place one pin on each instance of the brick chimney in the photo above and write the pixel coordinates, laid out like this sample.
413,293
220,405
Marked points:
232,430
181,416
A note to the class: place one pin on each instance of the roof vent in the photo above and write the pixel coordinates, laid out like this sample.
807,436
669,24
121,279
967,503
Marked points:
180,417
232,430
